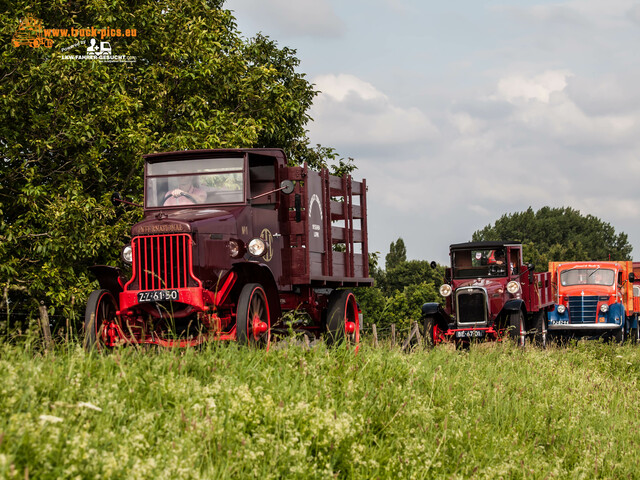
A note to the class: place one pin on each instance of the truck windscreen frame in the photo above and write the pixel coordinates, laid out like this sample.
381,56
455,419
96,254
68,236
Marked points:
209,181
478,263
588,276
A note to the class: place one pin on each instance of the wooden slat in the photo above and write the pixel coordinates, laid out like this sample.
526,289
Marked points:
338,234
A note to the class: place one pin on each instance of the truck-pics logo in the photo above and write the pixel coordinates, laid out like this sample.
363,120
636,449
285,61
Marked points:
32,33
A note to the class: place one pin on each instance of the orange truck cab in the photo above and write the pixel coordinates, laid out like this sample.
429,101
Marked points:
593,299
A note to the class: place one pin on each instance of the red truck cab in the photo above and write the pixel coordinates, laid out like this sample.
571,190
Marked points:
488,293
230,240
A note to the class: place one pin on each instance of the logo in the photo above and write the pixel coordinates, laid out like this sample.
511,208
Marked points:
98,50
268,240
31,33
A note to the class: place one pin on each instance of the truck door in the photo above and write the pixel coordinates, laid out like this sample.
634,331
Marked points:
264,213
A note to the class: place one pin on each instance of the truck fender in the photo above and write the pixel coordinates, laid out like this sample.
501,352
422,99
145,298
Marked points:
255,273
436,311
553,315
616,310
514,305
109,278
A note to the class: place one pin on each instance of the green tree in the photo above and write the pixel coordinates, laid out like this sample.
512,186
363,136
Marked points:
556,234
400,290
397,254
72,131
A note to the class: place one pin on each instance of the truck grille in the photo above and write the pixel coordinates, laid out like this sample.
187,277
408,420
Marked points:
471,305
162,262
583,308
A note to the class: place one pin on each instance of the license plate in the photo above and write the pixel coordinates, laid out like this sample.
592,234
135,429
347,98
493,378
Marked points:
158,296
470,334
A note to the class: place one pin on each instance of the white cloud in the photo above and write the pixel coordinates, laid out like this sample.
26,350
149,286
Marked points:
518,87
338,87
350,112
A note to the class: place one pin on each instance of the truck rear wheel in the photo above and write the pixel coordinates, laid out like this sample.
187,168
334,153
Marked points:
99,319
539,335
516,327
253,323
634,333
342,318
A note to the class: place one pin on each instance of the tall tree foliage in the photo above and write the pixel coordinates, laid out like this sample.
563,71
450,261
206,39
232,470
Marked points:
556,234
73,131
397,254
400,289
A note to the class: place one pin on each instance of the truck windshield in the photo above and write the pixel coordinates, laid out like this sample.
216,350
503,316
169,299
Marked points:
479,263
190,182
587,276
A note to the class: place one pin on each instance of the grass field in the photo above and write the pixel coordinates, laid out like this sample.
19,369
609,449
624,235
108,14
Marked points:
494,411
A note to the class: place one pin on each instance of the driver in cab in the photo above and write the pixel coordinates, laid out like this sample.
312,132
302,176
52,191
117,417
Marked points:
187,193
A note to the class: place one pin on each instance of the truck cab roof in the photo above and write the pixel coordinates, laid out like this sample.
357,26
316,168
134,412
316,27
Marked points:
485,245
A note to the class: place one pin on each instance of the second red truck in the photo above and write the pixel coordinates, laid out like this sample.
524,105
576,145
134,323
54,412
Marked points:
489,294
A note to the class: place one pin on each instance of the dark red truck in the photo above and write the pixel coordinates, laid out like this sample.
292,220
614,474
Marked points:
230,241
489,294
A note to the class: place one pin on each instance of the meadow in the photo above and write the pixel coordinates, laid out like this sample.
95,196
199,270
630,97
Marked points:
220,411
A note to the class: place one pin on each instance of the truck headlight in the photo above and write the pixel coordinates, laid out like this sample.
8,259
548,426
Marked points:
513,287
127,254
445,289
561,309
604,308
236,248
257,247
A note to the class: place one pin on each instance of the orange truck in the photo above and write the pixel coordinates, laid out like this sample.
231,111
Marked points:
594,299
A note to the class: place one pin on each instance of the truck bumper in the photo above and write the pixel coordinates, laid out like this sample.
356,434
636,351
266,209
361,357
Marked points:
583,326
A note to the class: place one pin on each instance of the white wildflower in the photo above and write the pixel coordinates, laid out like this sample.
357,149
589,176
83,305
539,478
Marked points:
89,405
50,418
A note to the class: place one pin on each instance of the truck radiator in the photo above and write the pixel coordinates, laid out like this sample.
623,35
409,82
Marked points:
583,308
471,305
162,262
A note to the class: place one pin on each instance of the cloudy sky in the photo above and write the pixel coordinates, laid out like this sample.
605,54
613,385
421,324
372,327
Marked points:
458,112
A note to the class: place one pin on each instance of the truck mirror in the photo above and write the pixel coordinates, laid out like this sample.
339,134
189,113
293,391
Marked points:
447,275
632,277
433,264
531,267
286,186
116,199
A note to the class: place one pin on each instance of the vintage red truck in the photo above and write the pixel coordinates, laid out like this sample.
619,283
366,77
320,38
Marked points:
230,241
489,294
594,299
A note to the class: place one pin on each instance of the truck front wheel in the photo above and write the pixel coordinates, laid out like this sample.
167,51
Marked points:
342,318
619,335
253,324
429,330
100,320
516,327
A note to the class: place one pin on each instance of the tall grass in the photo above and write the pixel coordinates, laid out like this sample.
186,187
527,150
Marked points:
494,411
